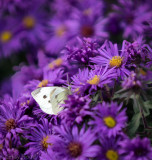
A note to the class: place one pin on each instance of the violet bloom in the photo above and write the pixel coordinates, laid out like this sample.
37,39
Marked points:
70,143
138,52
9,37
136,149
39,139
109,119
13,119
76,108
132,16
110,148
9,147
81,53
110,56
93,79
61,31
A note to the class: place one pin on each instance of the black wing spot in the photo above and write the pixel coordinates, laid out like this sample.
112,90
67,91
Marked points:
44,96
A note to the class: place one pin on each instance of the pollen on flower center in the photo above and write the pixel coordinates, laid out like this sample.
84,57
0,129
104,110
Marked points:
60,31
112,155
10,124
75,149
44,142
29,22
110,121
116,61
5,36
87,11
58,62
43,83
95,80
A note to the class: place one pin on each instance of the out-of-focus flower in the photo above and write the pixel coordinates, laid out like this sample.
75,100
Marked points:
136,149
132,17
9,37
73,143
110,56
109,119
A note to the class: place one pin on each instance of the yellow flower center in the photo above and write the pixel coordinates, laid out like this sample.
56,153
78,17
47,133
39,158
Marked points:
10,124
109,121
60,31
44,142
87,11
95,80
29,22
57,63
116,61
144,73
5,36
43,83
112,155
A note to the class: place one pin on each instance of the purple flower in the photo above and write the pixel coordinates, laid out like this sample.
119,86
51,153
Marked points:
69,143
9,37
109,119
138,52
87,48
136,149
132,17
39,139
110,56
13,119
110,148
132,82
76,108
92,79
9,147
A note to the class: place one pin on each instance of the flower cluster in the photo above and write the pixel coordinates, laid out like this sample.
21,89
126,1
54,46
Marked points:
98,83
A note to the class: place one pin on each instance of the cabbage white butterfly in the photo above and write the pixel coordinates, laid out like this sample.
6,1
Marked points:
50,98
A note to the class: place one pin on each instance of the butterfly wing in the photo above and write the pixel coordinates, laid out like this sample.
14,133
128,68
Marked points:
50,98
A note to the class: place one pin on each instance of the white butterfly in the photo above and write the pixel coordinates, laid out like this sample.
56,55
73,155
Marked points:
50,98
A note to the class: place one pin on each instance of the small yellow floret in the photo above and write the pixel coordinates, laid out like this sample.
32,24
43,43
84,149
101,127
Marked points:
43,83
116,61
112,155
5,36
60,31
45,143
95,80
109,121
29,22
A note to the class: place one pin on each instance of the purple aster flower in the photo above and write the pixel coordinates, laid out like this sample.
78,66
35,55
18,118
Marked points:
138,52
9,37
93,79
110,148
13,119
9,147
132,82
61,31
87,48
109,119
69,143
39,139
21,77
76,108
110,56
136,149
132,16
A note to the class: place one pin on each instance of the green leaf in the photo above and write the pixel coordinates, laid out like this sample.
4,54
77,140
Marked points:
134,124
